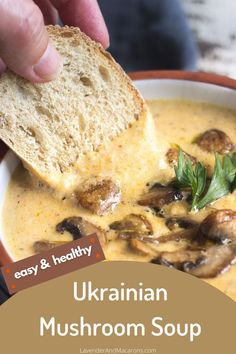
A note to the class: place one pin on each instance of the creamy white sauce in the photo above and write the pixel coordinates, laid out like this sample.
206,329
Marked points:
31,213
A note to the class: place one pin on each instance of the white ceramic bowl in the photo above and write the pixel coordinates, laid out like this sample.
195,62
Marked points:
170,85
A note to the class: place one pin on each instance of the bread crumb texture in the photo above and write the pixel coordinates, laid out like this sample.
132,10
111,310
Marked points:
49,126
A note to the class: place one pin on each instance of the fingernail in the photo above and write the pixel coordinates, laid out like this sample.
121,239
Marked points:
49,65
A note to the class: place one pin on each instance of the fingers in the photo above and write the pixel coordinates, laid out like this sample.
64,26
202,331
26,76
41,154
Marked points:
49,12
24,42
85,14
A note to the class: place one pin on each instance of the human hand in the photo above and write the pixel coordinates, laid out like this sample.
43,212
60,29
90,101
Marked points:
24,43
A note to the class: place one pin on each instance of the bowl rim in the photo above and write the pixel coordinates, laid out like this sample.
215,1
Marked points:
195,76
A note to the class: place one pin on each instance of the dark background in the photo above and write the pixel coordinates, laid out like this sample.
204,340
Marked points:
149,34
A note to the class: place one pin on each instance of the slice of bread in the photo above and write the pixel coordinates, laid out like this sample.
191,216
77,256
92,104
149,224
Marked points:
50,126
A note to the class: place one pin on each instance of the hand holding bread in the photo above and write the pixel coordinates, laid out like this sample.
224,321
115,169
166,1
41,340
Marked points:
24,42
52,126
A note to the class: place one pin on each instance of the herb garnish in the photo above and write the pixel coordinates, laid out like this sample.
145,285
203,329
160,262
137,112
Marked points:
222,182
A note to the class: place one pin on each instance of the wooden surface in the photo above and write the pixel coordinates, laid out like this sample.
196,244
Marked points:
213,26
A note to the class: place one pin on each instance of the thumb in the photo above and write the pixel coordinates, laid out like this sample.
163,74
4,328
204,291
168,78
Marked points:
24,43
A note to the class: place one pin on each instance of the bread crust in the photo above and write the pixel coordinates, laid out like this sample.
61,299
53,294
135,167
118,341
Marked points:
91,102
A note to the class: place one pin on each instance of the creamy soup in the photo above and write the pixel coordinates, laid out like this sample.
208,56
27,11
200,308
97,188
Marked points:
31,211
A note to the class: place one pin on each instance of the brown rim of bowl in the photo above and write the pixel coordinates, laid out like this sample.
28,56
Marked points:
186,76
145,75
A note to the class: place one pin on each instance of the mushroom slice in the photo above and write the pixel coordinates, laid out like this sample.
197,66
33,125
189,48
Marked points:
100,198
180,222
202,263
150,245
216,260
182,259
215,140
44,245
142,247
158,196
71,225
172,156
219,227
182,235
78,227
133,225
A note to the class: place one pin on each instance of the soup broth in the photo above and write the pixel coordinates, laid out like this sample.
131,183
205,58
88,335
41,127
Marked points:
31,212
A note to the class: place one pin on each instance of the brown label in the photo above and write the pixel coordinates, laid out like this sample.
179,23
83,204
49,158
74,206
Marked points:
43,319
53,263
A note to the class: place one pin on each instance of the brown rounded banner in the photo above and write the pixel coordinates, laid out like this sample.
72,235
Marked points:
185,315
